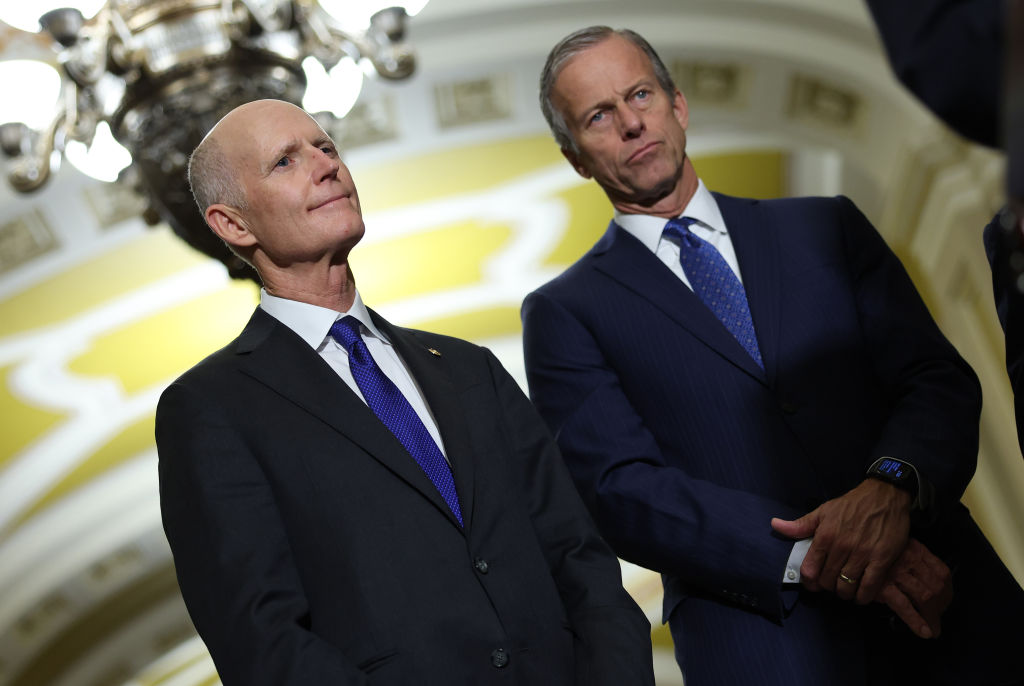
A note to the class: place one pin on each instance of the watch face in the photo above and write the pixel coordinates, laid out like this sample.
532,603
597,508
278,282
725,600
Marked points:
891,468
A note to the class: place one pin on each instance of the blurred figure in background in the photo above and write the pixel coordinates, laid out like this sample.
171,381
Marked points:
952,55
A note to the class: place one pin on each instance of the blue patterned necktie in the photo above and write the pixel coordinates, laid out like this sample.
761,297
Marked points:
716,284
392,408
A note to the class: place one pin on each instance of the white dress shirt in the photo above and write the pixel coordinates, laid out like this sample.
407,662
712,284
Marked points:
711,227
313,325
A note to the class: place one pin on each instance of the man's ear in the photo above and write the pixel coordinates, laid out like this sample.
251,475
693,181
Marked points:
574,160
228,224
681,109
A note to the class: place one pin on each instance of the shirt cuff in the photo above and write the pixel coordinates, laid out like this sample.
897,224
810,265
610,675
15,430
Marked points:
796,558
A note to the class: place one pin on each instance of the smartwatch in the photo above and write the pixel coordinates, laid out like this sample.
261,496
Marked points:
896,472
903,475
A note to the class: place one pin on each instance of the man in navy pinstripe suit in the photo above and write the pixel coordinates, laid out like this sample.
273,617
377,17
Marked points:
797,495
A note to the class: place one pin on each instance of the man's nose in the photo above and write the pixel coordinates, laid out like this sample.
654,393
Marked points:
326,166
631,124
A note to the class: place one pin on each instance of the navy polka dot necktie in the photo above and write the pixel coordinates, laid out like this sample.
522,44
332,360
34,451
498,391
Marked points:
392,408
716,284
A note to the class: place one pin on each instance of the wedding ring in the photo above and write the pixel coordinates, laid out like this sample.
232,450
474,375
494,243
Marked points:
843,577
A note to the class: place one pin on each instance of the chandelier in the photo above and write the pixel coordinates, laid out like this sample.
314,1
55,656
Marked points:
161,73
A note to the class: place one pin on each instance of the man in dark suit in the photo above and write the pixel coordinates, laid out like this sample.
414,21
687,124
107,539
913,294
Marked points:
350,502
726,375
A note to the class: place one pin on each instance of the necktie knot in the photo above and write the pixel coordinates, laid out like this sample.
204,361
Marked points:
346,332
680,228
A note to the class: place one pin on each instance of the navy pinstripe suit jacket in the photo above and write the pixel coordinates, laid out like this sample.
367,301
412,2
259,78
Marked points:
684,449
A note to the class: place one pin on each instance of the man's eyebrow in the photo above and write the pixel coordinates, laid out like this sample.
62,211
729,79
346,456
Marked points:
584,115
277,153
268,164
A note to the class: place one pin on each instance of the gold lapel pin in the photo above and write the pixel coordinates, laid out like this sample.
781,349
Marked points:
434,352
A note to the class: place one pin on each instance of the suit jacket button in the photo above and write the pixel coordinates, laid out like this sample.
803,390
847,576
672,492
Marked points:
481,565
499,658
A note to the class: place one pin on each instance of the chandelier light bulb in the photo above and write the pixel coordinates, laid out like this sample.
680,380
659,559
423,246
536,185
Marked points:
347,82
33,88
102,160
335,92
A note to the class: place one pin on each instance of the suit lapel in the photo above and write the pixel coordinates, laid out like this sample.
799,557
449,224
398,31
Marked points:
278,358
756,243
625,259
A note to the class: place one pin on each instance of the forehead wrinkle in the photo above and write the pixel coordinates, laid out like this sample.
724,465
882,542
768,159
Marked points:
606,102
291,145
596,75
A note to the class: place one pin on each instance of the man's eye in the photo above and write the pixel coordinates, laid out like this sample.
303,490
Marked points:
598,116
327,149
283,162
642,94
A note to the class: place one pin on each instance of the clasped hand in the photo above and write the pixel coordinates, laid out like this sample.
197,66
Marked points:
862,551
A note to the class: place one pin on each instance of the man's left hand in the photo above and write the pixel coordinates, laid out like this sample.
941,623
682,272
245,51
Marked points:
857,537
918,589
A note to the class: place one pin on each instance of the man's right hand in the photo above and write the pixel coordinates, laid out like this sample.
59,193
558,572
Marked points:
918,588
857,539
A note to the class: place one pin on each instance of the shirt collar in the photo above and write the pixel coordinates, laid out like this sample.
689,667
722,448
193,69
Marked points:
647,229
311,322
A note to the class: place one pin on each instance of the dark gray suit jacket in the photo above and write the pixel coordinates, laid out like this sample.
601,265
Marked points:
311,549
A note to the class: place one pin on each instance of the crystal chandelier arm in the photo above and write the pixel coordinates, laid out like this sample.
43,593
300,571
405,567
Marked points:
392,56
383,43
124,34
87,58
83,64
32,170
319,38
69,93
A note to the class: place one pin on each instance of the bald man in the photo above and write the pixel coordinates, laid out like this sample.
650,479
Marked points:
350,502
